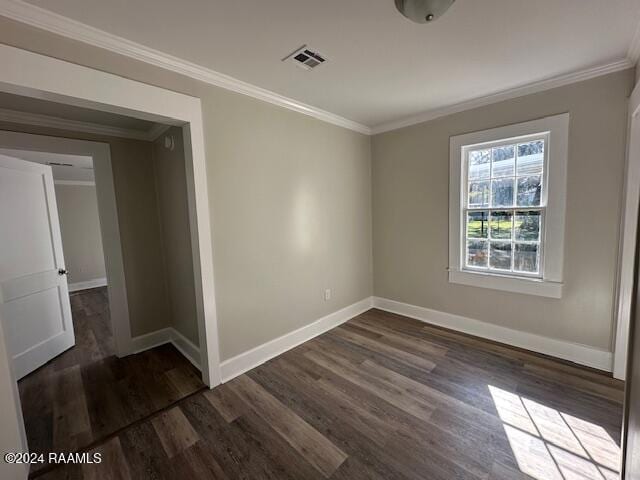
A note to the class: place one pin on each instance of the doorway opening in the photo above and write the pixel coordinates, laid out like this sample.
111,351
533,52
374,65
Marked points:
73,387
92,390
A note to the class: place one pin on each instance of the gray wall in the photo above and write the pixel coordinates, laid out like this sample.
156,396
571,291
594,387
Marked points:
291,203
410,205
173,214
290,198
134,182
80,230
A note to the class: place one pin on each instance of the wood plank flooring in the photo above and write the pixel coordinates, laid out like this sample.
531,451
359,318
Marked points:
87,393
381,397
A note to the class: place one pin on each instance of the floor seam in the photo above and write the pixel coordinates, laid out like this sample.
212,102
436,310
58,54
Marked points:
96,443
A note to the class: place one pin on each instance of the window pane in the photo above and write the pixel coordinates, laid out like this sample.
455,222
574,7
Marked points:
504,161
477,224
477,253
479,194
479,164
527,226
529,189
525,257
530,157
501,255
501,225
502,192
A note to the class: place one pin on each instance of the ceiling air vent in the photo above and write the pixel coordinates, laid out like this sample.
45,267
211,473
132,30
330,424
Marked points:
306,58
58,164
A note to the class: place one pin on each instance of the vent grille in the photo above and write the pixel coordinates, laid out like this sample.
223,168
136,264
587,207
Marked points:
57,164
306,58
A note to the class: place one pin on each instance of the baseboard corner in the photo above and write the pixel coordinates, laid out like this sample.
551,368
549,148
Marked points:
154,339
245,361
87,284
186,347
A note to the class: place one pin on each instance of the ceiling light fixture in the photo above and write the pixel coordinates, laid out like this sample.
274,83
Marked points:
423,11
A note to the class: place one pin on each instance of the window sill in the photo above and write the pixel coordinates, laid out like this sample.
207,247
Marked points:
527,286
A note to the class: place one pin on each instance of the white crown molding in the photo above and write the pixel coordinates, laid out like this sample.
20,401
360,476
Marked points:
77,183
36,119
520,91
52,22
47,20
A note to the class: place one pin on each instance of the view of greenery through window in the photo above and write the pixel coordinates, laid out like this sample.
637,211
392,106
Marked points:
503,209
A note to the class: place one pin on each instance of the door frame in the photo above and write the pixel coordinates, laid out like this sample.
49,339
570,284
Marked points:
100,154
81,86
627,247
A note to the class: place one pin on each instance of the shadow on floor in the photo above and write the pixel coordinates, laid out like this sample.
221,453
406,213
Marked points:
382,397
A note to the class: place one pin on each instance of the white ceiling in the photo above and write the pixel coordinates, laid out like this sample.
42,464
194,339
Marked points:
81,169
381,66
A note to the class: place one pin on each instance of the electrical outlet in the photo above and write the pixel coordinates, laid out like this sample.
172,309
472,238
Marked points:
327,294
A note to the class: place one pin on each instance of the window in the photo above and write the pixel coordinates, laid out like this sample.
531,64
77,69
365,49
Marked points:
504,206
507,207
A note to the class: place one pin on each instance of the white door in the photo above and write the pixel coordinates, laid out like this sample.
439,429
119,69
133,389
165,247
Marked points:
34,298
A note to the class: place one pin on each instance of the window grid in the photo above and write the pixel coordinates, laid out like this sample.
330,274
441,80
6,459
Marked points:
513,210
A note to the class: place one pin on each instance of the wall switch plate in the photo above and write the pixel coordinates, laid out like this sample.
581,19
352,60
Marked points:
327,294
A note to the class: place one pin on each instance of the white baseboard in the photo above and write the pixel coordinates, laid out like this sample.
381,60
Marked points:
231,368
151,340
256,356
167,335
186,347
574,352
95,283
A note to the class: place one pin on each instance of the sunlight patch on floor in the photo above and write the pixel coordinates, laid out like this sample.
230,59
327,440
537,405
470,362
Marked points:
552,445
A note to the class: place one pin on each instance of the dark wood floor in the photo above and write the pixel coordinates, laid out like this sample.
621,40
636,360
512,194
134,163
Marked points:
87,393
382,397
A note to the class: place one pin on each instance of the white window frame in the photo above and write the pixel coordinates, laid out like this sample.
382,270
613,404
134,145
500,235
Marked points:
549,282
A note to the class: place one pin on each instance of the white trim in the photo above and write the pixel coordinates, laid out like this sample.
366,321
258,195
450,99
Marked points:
39,120
95,283
45,19
52,22
557,128
107,212
245,361
628,235
77,183
574,352
107,92
634,101
202,257
528,89
186,347
527,286
151,340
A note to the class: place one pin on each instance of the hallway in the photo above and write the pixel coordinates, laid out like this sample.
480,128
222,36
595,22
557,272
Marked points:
87,393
